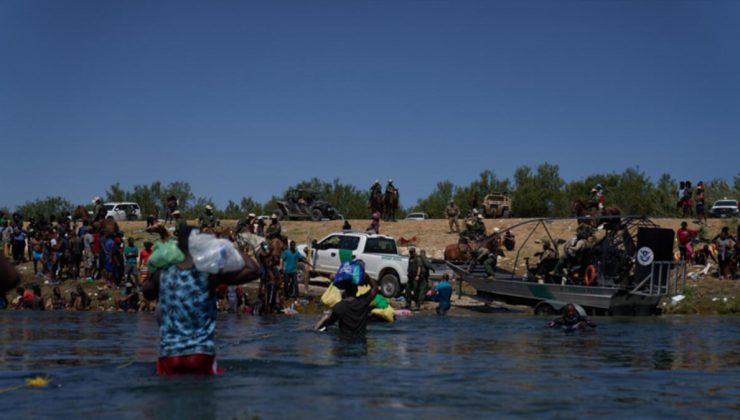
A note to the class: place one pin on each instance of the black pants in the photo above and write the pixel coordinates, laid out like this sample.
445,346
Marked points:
18,248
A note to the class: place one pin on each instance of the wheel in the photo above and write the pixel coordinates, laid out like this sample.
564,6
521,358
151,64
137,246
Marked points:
316,215
280,214
389,285
544,308
506,213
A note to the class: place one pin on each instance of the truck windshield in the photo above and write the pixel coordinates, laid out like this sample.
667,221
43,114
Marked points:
380,246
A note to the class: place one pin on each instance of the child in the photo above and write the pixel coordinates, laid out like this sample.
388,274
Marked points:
187,310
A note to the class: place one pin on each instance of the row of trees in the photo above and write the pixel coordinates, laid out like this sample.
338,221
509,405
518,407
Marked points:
535,192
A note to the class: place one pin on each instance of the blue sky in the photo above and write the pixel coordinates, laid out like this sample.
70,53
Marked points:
246,98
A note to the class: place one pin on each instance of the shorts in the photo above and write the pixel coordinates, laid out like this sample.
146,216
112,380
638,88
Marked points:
130,269
89,260
192,364
37,255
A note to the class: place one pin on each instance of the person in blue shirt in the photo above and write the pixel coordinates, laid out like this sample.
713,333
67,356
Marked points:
442,294
290,258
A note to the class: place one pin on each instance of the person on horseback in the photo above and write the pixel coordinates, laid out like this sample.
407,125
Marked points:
390,201
208,220
375,189
99,209
180,223
468,233
275,230
479,227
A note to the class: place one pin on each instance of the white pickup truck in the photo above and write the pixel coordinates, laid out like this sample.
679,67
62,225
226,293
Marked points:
379,253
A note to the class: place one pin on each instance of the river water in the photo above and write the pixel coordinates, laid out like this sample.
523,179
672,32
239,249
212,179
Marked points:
481,366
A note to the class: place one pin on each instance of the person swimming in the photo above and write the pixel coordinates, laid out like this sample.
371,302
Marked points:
571,319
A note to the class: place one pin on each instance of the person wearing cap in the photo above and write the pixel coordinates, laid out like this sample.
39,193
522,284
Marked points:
274,230
389,209
180,222
453,212
479,227
376,188
208,219
546,258
98,210
251,222
488,259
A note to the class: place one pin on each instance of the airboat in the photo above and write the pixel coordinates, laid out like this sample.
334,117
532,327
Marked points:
625,272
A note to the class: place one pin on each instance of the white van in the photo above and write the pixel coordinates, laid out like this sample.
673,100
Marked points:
122,211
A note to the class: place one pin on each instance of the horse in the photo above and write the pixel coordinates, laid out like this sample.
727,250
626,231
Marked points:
390,204
590,214
80,213
376,201
464,251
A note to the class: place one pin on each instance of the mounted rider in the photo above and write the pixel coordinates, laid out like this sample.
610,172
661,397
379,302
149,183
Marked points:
99,209
275,230
389,187
597,197
208,220
375,189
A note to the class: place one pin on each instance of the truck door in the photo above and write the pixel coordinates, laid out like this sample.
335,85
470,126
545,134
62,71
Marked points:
327,254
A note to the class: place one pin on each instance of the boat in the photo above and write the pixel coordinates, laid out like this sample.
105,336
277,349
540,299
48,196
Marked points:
628,272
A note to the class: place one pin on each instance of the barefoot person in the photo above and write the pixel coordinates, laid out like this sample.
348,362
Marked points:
187,310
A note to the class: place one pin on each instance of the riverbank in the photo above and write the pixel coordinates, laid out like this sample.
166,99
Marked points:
705,295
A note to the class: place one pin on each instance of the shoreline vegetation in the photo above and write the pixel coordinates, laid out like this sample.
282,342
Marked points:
704,294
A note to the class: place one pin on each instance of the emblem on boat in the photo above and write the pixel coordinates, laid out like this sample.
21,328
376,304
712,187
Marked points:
645,256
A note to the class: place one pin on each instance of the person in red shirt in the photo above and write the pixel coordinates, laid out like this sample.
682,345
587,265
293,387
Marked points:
684,236
144,255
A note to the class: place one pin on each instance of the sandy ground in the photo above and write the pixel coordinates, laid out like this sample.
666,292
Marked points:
706,294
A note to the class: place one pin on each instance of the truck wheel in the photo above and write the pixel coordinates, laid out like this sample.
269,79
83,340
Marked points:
389,285
505,213
280,214
316,215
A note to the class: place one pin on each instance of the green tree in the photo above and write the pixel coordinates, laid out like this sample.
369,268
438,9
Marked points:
182,191
664,196
45,207
539,194
232,211
116,193
248,205
434,205
635,193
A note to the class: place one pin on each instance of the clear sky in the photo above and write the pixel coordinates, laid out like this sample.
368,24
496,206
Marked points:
246,98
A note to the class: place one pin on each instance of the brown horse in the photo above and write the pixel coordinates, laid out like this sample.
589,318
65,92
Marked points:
591,215
80,213
390,204
376,201
464,252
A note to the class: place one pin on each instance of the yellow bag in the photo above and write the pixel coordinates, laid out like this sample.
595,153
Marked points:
385,314
333,295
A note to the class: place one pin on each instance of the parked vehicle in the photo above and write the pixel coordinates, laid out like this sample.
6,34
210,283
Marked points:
417,216
724,208
302,204
496,204
122,211
378,252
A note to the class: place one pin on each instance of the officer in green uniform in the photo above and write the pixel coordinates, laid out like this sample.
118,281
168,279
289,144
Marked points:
179,221
411,272
479,228
98,210
274,230
208,219
453,212
489,260
422,279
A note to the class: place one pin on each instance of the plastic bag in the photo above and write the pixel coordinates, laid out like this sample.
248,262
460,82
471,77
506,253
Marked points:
213,255
165,254
351,271
380,301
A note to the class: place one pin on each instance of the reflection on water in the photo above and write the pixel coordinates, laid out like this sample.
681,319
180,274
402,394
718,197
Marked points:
478,366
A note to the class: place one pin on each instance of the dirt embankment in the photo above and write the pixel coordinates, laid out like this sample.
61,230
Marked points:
705,295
